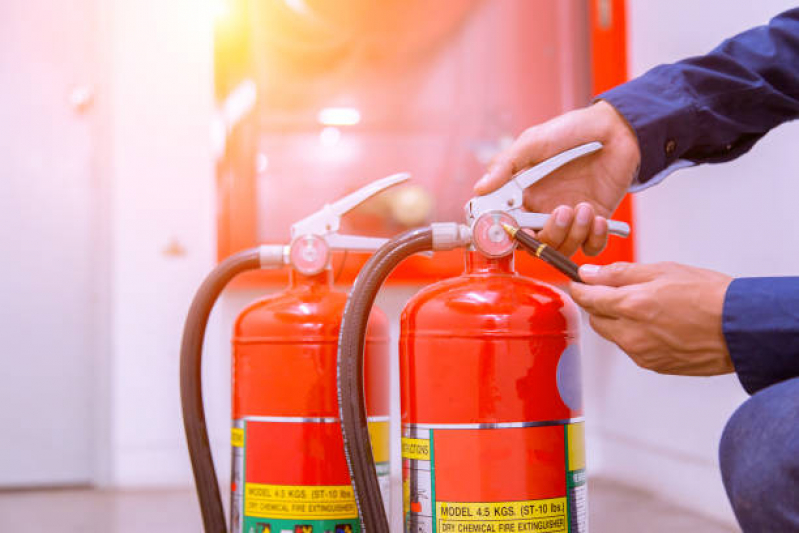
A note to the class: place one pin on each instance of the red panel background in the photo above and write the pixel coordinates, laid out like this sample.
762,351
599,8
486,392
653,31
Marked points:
295,454
482,465
237,197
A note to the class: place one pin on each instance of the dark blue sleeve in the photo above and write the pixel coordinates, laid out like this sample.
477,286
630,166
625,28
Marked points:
761,325
714,108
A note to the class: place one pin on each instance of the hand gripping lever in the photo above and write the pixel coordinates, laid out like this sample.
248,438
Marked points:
313,237
485,214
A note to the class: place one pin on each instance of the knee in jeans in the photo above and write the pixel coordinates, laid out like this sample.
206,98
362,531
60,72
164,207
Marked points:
759,452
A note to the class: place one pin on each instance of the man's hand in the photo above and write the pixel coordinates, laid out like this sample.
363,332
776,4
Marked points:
665,316
582,194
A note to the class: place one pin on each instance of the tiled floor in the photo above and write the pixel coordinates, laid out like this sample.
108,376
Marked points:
613,508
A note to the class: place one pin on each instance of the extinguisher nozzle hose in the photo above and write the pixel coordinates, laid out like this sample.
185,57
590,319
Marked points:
352,406
191,396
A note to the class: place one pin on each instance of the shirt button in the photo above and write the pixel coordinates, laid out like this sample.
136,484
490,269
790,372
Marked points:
728,147
671,145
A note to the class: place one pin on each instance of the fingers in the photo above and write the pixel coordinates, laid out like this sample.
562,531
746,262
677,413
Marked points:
580,229
599,299
608,328
598,238
637,345
618,274
567,229
557,226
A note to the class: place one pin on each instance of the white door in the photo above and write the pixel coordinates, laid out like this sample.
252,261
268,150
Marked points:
47,215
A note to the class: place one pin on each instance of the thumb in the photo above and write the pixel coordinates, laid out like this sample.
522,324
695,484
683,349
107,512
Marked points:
617,274
499,172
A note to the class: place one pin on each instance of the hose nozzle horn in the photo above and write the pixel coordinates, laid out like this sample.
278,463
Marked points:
313,237
509,198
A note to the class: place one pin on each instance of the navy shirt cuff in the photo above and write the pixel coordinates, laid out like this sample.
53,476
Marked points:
761,326
662,115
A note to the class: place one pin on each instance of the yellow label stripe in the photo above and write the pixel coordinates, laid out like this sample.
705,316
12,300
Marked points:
576,434
237,437
548,516
379,434
418,449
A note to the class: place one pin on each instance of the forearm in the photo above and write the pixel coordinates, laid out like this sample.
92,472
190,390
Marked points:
714,108
761,327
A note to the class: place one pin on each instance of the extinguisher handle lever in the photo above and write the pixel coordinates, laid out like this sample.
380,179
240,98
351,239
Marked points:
354,243
525,178
327,220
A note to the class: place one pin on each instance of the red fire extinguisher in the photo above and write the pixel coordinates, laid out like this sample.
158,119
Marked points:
492,416
288,470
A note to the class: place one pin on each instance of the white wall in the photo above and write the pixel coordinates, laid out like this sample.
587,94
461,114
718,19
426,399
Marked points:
160,169
661,432
158,107
48,243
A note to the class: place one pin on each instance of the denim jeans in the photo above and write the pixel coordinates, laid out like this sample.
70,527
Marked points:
759,458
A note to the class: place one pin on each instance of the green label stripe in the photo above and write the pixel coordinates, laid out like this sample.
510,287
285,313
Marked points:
575,478
566,459
433,480
244,476
383,469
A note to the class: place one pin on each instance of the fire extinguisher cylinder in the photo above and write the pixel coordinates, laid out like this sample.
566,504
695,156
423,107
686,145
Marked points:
490,380
288,470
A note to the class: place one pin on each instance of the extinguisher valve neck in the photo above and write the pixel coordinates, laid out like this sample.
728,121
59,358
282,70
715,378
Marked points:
450,235
273,255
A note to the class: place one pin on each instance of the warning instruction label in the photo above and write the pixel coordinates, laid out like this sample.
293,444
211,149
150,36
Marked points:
537,516
418,449
300,502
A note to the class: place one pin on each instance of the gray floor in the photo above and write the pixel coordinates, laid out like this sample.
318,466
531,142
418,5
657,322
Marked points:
614,509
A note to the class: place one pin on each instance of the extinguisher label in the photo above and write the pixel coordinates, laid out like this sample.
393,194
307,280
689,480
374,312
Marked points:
415,449
495,478
290,475
316,502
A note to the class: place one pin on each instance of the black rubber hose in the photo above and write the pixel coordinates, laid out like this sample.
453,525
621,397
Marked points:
352,406
191,392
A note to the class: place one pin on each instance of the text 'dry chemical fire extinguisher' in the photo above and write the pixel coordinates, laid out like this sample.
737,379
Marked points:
492,418
289,470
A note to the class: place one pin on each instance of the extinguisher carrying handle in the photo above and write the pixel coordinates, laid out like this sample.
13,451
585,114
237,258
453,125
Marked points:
191,394
352,338
327,221
313,237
